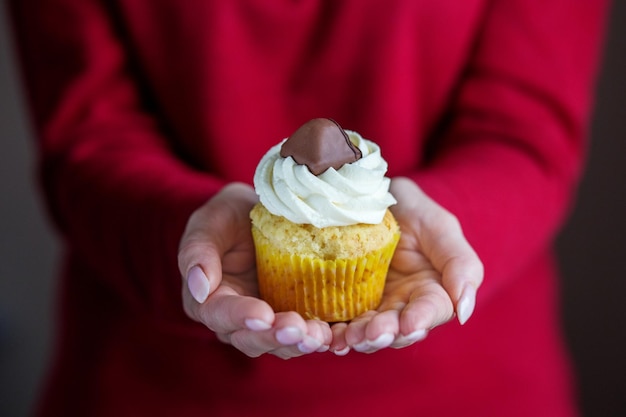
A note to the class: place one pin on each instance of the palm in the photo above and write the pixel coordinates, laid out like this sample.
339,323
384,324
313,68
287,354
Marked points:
413,279
238,265
427,275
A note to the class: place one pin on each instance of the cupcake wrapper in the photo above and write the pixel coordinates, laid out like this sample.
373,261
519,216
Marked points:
329,290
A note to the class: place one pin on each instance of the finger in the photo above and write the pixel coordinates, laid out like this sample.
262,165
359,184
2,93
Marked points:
427,308
380,332
200,254
461,279
419,308
317,338
356,332
339,346
403,341
282,339
225,311
211,231
461,269
451,254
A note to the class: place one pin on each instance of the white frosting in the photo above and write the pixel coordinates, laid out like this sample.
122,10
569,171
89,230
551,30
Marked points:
355,193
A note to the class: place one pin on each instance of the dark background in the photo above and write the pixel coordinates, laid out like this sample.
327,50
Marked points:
592,248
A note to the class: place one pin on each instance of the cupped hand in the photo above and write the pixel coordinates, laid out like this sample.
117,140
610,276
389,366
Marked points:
217,262
433,276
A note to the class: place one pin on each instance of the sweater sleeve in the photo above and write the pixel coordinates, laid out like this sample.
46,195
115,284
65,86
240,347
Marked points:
116,189
514,146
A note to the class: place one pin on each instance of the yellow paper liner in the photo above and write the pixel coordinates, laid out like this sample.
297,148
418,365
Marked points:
329,290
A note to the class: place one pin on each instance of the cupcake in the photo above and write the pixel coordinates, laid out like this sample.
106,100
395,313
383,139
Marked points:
323,232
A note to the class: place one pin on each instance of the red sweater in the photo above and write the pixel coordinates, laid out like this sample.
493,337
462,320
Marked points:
144,109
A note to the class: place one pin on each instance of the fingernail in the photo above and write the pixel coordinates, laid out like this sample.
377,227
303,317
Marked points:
466,304
198,284
416,336
342,352
289,335
257,325
362,347
406,340
382,341
309,344
323,348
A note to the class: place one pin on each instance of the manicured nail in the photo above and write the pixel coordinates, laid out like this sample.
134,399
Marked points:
257,325
198,284
323,348
309,344
466,304
362,347
404,341
382,341
289,335
342,352
416,336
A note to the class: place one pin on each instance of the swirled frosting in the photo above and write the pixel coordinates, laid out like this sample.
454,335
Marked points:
357,192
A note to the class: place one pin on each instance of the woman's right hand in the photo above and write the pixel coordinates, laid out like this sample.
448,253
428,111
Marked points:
217,262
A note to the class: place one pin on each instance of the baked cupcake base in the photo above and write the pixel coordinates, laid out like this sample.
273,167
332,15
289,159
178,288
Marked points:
297,275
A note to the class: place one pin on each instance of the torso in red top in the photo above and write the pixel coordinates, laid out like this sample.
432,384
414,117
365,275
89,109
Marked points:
144,109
